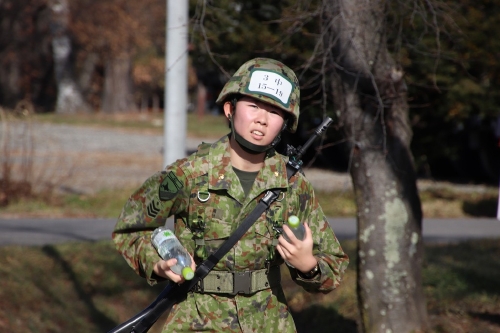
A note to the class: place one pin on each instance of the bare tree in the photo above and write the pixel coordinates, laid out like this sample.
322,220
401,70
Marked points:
69,96
353,69
128,39
117,93
370,97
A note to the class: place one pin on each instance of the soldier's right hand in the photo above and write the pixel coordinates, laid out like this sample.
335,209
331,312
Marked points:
162,268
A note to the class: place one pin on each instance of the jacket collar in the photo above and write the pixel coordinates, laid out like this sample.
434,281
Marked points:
222,177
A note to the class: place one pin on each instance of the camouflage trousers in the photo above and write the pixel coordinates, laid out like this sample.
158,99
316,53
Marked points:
263,312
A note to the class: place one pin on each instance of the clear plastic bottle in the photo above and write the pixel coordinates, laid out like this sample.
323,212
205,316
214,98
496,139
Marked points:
297,228
168,247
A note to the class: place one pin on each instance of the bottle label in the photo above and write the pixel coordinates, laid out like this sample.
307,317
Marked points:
162,236
168,234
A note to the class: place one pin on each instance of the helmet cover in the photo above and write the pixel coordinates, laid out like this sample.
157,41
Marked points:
269,81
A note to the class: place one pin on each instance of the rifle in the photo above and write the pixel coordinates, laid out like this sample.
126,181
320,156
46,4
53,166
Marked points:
174,293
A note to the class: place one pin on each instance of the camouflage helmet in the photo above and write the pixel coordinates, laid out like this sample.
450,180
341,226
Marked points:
269,81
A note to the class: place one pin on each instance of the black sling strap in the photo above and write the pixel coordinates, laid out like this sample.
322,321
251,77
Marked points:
175,293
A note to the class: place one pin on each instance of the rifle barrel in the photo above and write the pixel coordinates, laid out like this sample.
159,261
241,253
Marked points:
320,129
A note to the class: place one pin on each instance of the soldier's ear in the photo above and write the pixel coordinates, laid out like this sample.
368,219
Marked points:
228,109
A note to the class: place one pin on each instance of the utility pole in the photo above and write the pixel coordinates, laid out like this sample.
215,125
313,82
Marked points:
175,109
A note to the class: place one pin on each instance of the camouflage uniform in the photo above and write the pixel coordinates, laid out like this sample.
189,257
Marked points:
205,195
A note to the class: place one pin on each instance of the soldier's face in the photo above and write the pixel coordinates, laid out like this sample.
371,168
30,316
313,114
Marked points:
256,121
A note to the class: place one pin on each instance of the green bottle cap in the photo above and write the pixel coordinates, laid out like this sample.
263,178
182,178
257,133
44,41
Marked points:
187,273
293,221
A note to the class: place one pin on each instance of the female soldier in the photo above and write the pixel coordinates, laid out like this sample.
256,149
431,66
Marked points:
211,191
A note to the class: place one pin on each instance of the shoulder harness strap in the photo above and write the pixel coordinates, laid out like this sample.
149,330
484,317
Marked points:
196,207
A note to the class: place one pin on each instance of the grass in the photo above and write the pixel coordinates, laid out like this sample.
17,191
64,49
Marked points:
88,287
105,204
213,126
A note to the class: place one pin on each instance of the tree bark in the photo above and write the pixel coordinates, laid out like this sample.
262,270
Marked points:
69,96
370,94
117,94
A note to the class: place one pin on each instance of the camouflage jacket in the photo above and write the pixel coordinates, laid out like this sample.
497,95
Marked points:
205,195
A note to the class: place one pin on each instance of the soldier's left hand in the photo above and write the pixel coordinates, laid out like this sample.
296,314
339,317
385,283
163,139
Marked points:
296,252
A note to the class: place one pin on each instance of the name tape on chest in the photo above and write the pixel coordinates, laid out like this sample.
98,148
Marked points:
271,84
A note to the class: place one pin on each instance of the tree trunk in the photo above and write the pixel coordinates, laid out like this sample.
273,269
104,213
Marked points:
69,96
371,96
117,94
10,74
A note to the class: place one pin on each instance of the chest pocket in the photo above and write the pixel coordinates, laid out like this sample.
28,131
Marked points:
206,221
211,219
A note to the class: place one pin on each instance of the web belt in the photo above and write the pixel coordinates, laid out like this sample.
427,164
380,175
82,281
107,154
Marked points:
242,282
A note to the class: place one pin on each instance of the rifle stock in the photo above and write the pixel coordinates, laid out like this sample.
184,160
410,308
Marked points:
129,325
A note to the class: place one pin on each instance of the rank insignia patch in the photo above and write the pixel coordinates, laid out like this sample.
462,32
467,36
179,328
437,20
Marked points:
153,209
169,186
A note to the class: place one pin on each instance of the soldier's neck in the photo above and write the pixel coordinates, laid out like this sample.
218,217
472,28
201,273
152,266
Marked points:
244,161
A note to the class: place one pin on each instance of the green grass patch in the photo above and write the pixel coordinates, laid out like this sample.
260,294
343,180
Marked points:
73,287
337,203
130,121
454,201
208,126
446,202
88,287
105,204
461,286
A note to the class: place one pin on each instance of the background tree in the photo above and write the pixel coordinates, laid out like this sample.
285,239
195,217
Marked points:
118,31
453,84
369,97
365,47
69,96
366,44
26,71
452,95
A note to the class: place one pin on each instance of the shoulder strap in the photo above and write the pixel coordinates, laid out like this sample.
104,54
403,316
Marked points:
197,224
203,149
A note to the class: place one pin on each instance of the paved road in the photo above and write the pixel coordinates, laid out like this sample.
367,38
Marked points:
51,231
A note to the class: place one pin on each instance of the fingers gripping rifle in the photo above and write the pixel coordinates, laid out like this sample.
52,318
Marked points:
174,293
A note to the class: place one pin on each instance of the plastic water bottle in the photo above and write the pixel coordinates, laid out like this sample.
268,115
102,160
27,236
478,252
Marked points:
168,247
297,228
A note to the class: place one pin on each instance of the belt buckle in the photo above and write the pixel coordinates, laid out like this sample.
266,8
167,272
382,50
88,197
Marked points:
242,282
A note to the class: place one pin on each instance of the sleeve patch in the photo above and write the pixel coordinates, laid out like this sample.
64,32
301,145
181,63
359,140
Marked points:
169,186
153,209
